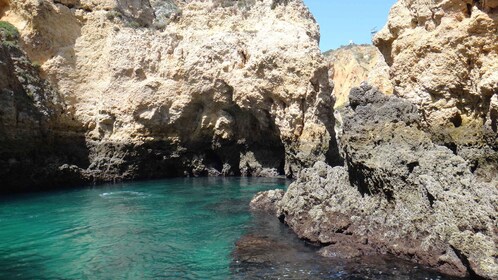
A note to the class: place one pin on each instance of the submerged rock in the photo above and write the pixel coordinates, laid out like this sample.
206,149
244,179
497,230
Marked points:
270,250
399,193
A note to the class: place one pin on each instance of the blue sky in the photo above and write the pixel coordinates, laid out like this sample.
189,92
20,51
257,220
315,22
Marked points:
344,20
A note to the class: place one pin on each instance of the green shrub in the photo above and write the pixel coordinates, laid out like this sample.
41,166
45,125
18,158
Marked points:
9,44
8,31
165,9
36,65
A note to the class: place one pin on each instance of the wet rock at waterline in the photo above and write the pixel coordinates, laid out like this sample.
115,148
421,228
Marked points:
398,193
267,201
270,250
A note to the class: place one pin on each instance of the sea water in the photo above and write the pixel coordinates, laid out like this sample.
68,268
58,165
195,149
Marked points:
170,229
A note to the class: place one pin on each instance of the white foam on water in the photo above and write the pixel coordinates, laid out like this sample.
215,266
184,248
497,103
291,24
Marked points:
123,194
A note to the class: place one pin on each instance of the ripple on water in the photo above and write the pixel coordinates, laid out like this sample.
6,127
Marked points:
124,194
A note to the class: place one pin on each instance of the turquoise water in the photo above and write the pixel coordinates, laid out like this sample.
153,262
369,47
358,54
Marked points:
170,229
178,229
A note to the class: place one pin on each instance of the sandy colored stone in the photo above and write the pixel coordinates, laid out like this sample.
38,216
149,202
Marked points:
443,56
174,88
38,144
353,64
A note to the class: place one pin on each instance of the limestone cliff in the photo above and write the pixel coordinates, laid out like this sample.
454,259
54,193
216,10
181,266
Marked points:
173,88
443,56
353,64
38,145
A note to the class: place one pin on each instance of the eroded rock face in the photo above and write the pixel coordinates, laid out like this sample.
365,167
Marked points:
174,88
353,64
398,193
443,56
39,144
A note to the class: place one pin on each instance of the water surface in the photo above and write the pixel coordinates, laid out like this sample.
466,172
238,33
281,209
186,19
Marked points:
170,229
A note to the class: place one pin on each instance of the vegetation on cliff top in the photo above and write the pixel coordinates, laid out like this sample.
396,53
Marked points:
8,33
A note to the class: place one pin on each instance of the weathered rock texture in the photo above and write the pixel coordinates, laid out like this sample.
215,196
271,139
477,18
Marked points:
353,64
173,88
420,179
443,56
38,145
267,201
398,193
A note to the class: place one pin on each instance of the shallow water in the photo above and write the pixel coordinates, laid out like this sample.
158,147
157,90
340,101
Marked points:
170,229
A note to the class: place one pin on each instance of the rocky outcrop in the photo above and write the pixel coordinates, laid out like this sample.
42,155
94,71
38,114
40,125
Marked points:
419,179
443,56
39,145
398,193
353,64
174,88
267,201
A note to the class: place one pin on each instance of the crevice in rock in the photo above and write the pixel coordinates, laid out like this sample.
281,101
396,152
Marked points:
411,166
244,56
389,195
474,166
431,198
466,263
281,218
453,147
69,5
275,3
469,10
456,120
478,4
494,120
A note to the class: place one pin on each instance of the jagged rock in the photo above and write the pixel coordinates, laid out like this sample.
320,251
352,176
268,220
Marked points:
193,88
267,201
398,193
353,64
443,56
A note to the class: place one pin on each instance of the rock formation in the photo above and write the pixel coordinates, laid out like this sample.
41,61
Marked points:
420,174
174,88
38,145
398,193
353,64
267,201
443,56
